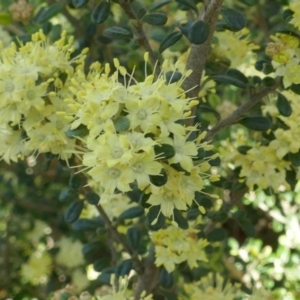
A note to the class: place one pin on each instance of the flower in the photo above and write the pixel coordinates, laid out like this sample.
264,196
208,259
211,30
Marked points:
174,245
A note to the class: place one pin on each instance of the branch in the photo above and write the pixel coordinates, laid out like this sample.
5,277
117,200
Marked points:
119,238
199,53
244,108
139,32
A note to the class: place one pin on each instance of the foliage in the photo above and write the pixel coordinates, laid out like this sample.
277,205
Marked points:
149,149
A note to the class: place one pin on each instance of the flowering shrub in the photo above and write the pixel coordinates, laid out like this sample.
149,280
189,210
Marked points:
150,149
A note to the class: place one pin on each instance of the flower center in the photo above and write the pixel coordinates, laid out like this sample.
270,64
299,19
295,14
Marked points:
9,87
30,95
117,152
142,114
138,167
114,173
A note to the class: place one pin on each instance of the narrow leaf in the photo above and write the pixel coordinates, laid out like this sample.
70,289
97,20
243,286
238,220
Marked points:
235,20
283,105
170,40
132,212
189,3
198,32
156,19
101,12
234,73
229,80
117,32
257,123
52,10
158,4
73,211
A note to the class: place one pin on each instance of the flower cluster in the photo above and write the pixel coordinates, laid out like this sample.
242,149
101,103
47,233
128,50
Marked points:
21,11
136,135
174,245
285,54
31,92
295,7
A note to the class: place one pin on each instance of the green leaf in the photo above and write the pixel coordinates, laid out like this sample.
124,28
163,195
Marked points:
75,181
234,73
287,15
204,108
216,235
295,159
122,124
179,168
283,105
154,219
80,131
268,81
125,267
165,151
92,247
132,212
101,12
257,123
166,279
133,237
198,32
173,76
248,228
158,18
158,4
52,11
79,3
170,40
180,220
190,4
235,20
73,211
66,194
86,225
185,27
101,264
220,216
243,149
192,214
229,80
159,180
65,296
118,32
295,88
5,18
92,198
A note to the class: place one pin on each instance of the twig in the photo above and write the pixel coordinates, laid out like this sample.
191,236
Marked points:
120,239
139,32
231,119
199,53
149,279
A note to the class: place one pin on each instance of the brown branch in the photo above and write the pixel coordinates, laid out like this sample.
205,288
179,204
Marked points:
199,53
244,108
139,32
119,238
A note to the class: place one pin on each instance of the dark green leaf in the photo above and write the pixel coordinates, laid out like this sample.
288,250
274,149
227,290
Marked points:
207,109
101,263
203,200
118,32
122,124
172,77
158,4
235,20
75,181
124,268
93,247
156,18
155,219
92,198
198,32
66,194
179,168
185,27
243,149
283,105
52,10
86,225
189,3
65,296
268,81
79,3
180,220
234,73
216,235
258,123
159,180
132,212
291,178
165,151
170,40
287,15
133,236
165,278
80,131
192,214
295,159
248,228
141,13
220,216
229,80
295,88
73,211
101,12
